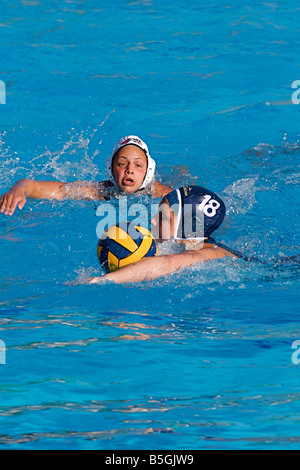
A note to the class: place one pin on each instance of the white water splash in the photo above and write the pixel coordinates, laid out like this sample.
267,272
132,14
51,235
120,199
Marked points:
241,195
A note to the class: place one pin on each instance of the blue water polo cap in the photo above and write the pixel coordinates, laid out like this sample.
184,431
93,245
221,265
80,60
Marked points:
199,212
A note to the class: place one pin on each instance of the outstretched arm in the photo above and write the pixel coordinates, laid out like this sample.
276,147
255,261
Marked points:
26,188
151,268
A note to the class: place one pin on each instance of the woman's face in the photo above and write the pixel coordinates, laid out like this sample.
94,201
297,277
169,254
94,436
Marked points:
129,168
163,223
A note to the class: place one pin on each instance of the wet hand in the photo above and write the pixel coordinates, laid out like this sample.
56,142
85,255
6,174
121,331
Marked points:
89,280
10,200
95,280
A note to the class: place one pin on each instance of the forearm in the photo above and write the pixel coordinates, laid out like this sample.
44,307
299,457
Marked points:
154,267
58,190
39,189
25,185
27,188
146,269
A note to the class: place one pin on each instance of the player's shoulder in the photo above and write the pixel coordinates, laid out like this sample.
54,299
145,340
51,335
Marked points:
159,189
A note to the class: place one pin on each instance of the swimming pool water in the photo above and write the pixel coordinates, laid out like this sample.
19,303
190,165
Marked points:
199,360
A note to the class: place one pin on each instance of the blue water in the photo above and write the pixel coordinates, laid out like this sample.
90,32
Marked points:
199,360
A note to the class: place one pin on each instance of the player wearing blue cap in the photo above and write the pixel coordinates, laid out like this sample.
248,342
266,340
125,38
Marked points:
188,215
130,169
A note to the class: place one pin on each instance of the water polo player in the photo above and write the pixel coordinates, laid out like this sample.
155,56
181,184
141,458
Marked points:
188,215
130,170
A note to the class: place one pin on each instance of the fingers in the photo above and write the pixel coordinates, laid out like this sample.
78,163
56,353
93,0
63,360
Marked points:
89,280
71,283
3,203
9,202
95,280
22,203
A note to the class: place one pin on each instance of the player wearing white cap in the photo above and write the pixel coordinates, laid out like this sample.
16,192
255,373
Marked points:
130,169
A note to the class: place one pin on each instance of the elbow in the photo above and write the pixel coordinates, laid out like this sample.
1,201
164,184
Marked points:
22,181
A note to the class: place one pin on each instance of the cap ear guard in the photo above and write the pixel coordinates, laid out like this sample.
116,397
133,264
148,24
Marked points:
132,140
109,170
149,177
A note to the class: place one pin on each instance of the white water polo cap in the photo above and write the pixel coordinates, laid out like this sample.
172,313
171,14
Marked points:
132,140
